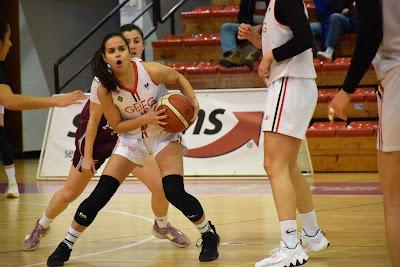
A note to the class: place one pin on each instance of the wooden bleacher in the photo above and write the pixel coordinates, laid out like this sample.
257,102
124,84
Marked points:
338,146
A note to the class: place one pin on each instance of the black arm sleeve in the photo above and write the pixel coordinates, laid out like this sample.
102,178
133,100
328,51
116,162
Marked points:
369,37
291,13
3,75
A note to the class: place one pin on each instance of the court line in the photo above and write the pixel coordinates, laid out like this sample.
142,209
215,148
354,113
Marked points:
100,252
149,238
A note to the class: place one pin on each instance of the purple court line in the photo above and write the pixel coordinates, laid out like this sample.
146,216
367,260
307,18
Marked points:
212,188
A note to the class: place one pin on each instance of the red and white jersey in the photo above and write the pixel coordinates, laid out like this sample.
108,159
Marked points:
388,56
135,103
275,34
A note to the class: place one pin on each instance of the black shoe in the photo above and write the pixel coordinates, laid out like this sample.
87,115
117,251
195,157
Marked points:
59,256
209,247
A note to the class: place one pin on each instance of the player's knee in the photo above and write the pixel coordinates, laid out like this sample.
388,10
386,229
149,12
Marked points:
274,168
174,188
69,194
88,209
175,193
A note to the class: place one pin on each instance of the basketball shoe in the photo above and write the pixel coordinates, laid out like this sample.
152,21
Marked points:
12,191
32,240
209,245
60,255
177,238
282,256
314,243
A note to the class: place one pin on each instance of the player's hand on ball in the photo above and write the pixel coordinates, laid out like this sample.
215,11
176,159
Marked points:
156,117
196,107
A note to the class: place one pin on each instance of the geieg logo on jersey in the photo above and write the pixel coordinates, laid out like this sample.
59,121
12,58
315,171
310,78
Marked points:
222,132
141,106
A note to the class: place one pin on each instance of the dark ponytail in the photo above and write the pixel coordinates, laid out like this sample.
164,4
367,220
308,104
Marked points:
99,66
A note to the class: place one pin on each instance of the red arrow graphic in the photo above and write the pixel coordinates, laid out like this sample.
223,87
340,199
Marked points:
247,128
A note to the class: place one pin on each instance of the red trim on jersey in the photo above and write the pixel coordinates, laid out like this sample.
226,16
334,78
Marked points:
380,137
133,90
283,101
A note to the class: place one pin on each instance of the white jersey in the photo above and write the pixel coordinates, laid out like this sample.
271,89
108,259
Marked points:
388,56
94,97
135,103
274,35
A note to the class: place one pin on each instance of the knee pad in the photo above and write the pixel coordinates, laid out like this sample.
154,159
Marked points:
174,190
88,209
6,154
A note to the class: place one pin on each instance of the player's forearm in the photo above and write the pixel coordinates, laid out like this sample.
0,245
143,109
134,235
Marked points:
185,87
255,39
21,102
91,133
130,125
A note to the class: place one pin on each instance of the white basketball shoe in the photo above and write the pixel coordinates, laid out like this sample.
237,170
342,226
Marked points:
314,243
282,256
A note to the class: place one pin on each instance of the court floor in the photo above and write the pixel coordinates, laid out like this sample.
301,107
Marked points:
349,207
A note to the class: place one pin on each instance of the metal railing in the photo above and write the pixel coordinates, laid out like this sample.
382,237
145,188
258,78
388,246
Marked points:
157,18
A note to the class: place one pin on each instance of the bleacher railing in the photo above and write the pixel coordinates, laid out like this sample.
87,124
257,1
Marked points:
154,6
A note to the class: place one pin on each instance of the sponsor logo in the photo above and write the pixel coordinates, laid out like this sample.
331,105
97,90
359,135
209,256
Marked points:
247,128
83,216
120,98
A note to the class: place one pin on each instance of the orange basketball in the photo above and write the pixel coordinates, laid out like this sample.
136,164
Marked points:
179,111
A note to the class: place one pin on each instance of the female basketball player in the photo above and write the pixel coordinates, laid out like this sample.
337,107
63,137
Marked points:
11,101
94,142
380,39
127,93
288,70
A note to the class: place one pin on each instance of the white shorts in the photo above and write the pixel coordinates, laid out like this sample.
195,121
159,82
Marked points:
289,107
1,109
389,112
136,150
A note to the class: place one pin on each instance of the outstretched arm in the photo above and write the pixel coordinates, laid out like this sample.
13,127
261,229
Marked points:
13,101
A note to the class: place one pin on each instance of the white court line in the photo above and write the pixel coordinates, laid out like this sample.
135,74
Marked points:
103,251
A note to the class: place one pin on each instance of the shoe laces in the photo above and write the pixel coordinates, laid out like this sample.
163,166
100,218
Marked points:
205,240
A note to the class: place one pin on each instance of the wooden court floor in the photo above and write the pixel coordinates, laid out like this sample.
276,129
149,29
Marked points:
349,207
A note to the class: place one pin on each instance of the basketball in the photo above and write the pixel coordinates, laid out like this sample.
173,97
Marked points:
179,111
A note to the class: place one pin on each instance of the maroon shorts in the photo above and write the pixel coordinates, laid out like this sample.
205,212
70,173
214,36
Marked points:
104,143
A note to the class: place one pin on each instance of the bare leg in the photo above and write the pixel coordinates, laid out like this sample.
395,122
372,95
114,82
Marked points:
150,175
389,176
278,151
72,189
301,186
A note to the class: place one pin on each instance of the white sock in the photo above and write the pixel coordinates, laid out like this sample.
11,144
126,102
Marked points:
309,223
329,51
71,237
289,233
204,227
162,221
11,175
45,221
